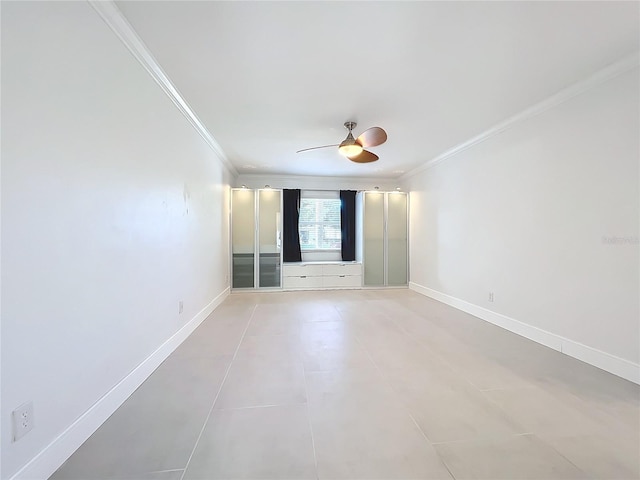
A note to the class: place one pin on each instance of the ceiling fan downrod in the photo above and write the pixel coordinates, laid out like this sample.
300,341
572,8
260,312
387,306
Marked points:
349,146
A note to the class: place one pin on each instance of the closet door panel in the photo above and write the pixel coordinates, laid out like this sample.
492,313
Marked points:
396,239
269,248
373,238
243,238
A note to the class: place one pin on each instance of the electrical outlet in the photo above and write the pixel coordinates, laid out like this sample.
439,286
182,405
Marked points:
491,296
22,420
180,306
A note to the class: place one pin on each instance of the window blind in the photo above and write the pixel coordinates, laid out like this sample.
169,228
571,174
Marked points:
319,223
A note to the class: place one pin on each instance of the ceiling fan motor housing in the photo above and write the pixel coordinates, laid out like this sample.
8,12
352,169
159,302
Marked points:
349,140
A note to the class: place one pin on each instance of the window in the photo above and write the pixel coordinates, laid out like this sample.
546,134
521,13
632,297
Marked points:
319,224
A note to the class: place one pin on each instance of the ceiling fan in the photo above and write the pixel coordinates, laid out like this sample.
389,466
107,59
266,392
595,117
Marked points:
354,148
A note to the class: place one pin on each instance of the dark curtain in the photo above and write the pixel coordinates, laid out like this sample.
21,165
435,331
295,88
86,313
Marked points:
348,224
290,233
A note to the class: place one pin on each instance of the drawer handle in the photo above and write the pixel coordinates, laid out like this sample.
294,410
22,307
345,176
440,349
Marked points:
342,276
303,276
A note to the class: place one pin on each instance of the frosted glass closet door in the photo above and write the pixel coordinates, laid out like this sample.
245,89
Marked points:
373,238
269,235
396,239
243,238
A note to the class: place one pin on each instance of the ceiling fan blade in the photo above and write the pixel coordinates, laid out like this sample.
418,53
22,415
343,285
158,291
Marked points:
372,136
364,157
315,148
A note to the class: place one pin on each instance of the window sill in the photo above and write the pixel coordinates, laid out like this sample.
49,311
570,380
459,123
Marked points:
320,250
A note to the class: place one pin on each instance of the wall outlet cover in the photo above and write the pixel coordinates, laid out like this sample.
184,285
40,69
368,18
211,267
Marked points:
22,418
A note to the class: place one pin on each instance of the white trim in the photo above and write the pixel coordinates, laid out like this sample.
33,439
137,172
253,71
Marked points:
317,289
603,360
45,463
615,69
115,20
310,182
324,194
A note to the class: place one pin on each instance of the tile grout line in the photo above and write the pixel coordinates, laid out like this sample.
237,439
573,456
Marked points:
382,374
487,438
226,374
402,404
502,410
483,393
255,407
406,409
165,471
549,445
498,389
440,356
306,392
437,354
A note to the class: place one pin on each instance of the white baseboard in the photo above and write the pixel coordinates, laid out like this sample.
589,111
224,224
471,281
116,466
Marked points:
603,360
43,465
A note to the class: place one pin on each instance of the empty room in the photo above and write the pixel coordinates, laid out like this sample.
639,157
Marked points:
320,240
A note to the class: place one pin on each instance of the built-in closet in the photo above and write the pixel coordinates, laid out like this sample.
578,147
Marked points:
256,246
383,248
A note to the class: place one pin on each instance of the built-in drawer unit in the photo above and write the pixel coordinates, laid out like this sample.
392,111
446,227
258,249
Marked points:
341,269
302,281
339,281
317,275
300,269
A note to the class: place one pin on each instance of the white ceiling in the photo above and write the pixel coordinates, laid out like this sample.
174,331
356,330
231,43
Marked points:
270,78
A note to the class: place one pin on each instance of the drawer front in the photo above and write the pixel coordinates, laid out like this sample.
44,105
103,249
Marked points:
342,269
329,281
296,270
302,282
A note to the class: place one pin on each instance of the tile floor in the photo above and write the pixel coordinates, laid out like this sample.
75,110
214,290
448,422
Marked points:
368,384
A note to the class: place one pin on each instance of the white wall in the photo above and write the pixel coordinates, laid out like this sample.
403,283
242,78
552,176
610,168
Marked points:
527,213
113,210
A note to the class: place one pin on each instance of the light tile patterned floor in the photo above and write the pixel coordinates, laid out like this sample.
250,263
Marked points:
369,384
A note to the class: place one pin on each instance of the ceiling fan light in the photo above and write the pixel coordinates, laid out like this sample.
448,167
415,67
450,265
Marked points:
349,146
350,150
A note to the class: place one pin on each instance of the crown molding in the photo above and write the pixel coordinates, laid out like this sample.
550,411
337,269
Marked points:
615,69
116,21
256,180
